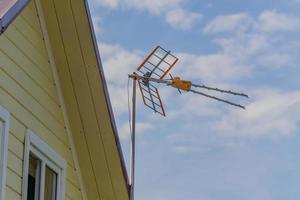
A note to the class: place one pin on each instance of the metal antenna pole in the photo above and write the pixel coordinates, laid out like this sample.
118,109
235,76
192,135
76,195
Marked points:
132,161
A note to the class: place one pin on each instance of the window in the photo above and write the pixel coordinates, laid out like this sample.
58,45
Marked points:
4,126
9,9
44,171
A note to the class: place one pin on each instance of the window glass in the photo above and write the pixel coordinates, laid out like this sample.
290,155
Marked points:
33,178
50,184
35,185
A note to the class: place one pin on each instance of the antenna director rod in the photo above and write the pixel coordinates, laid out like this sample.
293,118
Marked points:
220,90
218,99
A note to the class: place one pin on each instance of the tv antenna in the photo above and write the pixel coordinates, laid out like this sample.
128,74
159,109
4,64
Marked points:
151,71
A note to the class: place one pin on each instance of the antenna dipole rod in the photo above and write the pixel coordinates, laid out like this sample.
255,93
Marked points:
220,90
132,158
218,99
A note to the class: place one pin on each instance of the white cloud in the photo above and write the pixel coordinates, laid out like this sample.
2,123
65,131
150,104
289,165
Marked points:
277,60
153,6
272,20
272,113
242,46
118,97
97,24
181,19
228,23
191,105
141,127
107,3
257,40
172,10
268,21
118,63
208,67
182,149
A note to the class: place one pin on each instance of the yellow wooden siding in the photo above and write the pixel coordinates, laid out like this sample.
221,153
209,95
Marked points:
14,181
30,15
32,53
15,72
12,194
31,35
28,92
13,53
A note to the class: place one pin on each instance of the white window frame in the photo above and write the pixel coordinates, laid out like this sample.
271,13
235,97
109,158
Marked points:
4,118
34,145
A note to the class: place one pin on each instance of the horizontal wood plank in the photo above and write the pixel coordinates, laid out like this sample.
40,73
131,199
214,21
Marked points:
10,50
19,76
33,106
17,128
31,16
30,51
30,34
14,181
11,194
15,146
35,125
14,163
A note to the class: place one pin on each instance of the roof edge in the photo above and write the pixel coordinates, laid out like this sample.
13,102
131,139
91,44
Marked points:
107,98
11,14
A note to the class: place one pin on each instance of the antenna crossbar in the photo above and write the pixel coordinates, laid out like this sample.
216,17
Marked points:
184,85
138,77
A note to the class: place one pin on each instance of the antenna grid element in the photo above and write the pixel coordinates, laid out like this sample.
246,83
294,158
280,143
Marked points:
151,97
158,63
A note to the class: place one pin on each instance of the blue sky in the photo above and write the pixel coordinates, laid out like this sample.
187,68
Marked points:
204,149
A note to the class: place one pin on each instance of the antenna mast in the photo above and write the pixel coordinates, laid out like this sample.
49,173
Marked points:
132,156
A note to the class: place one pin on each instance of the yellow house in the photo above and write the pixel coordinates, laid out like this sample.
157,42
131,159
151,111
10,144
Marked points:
58,139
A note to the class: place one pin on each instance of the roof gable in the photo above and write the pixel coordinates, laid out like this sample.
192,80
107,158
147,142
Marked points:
9,9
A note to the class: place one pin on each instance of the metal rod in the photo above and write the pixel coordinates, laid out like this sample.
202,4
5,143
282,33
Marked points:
164,57
218,99
220,90
149,78
132,160
149,90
